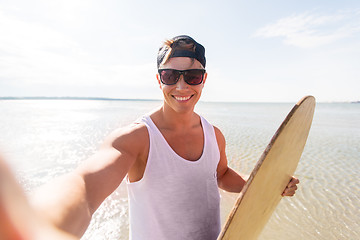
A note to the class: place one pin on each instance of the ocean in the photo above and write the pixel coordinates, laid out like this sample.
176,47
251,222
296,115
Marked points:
42,139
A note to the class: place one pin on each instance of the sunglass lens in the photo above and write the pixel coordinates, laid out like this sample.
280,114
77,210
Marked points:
169,77
194,76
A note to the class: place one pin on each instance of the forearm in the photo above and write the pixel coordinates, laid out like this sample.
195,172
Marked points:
231,181
63,204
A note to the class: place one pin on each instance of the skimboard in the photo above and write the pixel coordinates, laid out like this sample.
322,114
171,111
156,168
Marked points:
275,168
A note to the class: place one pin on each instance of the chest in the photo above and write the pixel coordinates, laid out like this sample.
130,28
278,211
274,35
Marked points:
187,144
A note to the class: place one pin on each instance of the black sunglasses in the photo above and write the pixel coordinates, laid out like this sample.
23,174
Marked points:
172,76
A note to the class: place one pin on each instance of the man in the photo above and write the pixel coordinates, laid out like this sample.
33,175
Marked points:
173,160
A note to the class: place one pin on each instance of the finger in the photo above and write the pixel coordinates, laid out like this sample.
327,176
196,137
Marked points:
292,188
288,194
289,191
293,182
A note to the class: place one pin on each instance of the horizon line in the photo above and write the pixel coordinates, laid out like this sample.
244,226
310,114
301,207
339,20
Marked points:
137,99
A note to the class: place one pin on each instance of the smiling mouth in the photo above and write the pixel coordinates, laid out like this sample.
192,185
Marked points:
178,98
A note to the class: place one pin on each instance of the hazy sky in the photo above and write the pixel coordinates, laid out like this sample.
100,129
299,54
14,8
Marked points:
256,50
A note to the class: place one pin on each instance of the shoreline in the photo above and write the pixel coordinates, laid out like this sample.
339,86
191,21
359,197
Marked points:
150,100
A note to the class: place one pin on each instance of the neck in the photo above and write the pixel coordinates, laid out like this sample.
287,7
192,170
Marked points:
176,119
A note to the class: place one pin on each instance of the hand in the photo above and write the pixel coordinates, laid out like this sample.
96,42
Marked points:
291,187
18,219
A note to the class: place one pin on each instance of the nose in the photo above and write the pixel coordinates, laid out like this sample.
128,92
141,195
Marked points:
181,84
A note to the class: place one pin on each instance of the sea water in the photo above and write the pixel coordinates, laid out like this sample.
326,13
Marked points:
42,139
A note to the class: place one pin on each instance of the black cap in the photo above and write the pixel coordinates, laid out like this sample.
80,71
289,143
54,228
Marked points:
199,53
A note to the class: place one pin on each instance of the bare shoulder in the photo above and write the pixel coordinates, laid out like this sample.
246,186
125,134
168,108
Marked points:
219,137
130,138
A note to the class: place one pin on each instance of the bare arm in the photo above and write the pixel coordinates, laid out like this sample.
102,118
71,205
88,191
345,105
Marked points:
231,181
70,201
228,179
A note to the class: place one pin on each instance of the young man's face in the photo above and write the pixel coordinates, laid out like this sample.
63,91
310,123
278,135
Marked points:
181,97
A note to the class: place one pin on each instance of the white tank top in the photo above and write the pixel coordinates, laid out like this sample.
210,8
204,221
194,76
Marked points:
176,199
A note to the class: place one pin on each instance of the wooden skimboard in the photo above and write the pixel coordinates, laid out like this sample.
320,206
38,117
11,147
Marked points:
262,192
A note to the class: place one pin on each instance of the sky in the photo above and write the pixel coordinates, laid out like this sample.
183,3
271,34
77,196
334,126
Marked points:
257,51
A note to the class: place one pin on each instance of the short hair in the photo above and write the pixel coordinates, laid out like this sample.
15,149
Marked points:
181,46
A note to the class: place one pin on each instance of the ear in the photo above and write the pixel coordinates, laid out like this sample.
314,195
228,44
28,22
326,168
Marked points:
205,77
158,79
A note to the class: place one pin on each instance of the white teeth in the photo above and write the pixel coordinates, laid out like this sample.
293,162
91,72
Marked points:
182,98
